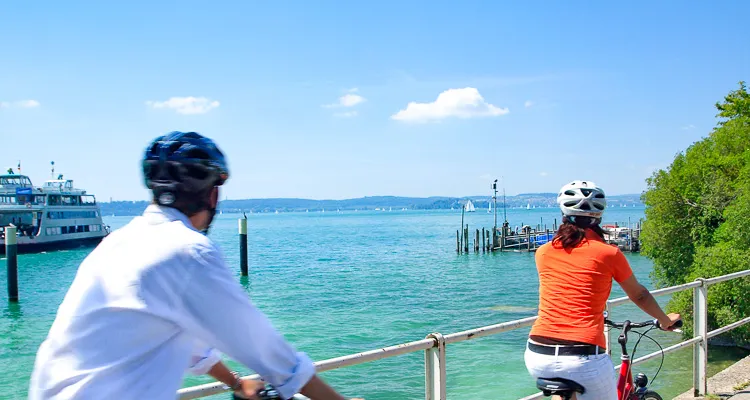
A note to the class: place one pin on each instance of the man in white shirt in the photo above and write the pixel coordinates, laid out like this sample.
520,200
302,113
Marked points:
155,299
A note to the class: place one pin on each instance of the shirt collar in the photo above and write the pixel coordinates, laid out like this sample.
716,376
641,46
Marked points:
156,214
591,235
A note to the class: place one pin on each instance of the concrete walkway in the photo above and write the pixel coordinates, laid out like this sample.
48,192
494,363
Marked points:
723,383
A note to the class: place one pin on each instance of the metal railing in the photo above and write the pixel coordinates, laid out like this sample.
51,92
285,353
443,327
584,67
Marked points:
434,345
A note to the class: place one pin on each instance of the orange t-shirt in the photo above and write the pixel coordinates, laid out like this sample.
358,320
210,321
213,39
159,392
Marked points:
574,286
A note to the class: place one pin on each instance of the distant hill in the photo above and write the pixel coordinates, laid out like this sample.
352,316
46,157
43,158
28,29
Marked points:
370,203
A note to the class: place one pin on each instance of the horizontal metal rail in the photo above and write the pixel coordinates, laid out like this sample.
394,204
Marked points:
320,366
489,330
740,274
728,328
430,343
656,293
666,350
373,355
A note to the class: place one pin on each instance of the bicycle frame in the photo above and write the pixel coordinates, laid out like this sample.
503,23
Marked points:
625,387
625,381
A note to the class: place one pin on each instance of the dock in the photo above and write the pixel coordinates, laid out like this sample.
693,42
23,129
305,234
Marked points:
526,238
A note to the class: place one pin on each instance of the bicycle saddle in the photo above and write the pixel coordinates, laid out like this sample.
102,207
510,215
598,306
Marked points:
558,386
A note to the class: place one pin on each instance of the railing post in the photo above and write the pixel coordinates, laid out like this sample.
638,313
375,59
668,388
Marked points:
434,369
606,330
700,328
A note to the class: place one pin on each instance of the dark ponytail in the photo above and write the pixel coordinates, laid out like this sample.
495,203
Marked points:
573,230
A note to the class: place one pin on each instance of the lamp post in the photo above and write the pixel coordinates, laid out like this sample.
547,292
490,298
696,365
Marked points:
494,199
505,213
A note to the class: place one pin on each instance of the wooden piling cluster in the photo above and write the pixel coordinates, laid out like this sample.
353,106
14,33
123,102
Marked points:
528,239
481,243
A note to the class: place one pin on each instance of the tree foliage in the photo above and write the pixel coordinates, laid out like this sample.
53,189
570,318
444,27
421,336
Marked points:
698,218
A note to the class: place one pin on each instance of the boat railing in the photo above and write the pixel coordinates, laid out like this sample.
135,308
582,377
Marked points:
434,345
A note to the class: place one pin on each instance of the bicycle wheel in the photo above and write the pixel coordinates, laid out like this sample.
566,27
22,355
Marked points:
649,395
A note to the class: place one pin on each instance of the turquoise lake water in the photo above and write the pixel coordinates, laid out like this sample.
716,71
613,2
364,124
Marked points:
342,283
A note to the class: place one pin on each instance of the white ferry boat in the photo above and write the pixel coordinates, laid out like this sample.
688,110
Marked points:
53,216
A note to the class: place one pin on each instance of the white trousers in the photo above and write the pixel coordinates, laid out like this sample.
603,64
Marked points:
595,373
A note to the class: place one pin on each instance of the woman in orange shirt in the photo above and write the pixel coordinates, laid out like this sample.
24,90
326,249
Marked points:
576,270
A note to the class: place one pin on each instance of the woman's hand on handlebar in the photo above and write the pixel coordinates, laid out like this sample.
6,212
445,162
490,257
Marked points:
672,324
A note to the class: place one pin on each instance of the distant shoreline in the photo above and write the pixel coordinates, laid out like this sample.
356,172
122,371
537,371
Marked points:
531,200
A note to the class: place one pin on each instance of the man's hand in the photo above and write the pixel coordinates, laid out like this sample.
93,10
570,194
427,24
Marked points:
249,389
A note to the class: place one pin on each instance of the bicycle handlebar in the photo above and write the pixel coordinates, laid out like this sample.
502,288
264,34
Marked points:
653,322
269,393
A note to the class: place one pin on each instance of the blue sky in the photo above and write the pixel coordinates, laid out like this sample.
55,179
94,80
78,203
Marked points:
314,99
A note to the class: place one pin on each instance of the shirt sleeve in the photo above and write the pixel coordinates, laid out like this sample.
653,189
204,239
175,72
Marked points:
203,359
217,311
620,266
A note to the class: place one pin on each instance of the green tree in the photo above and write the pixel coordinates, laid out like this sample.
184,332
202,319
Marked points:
736,104
698,218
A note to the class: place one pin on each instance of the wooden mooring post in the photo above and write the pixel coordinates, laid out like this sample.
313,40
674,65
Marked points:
11,254
476,242
243,245
458,242
466,239
484,242
502,239
528,240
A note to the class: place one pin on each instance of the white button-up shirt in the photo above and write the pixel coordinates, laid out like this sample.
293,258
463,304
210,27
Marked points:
148,304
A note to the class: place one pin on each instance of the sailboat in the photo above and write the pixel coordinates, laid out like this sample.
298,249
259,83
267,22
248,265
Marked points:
469,206
489,207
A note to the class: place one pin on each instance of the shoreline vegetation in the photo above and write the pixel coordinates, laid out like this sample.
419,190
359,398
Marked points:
697,223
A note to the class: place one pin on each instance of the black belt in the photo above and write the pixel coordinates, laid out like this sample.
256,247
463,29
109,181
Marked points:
562,350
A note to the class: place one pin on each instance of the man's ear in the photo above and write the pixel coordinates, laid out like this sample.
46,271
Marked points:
215,197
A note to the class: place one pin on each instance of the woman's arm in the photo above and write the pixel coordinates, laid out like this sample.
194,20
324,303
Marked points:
646,302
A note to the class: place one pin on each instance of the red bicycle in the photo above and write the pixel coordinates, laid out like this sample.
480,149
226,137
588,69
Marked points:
627,387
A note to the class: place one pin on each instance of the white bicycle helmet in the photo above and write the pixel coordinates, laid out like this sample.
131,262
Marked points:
582,199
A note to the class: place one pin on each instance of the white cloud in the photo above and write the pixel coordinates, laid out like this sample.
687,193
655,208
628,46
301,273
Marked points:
20,103
27,103
543,173
528,103
688,127
459,103
186,105
347,100
347,114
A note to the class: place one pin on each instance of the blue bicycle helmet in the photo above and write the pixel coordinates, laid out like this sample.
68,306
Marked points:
184,164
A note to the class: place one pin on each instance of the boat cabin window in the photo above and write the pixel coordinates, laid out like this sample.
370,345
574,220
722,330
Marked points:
88,200
8,199
54,200
69,200
39,199
19,180
71,214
